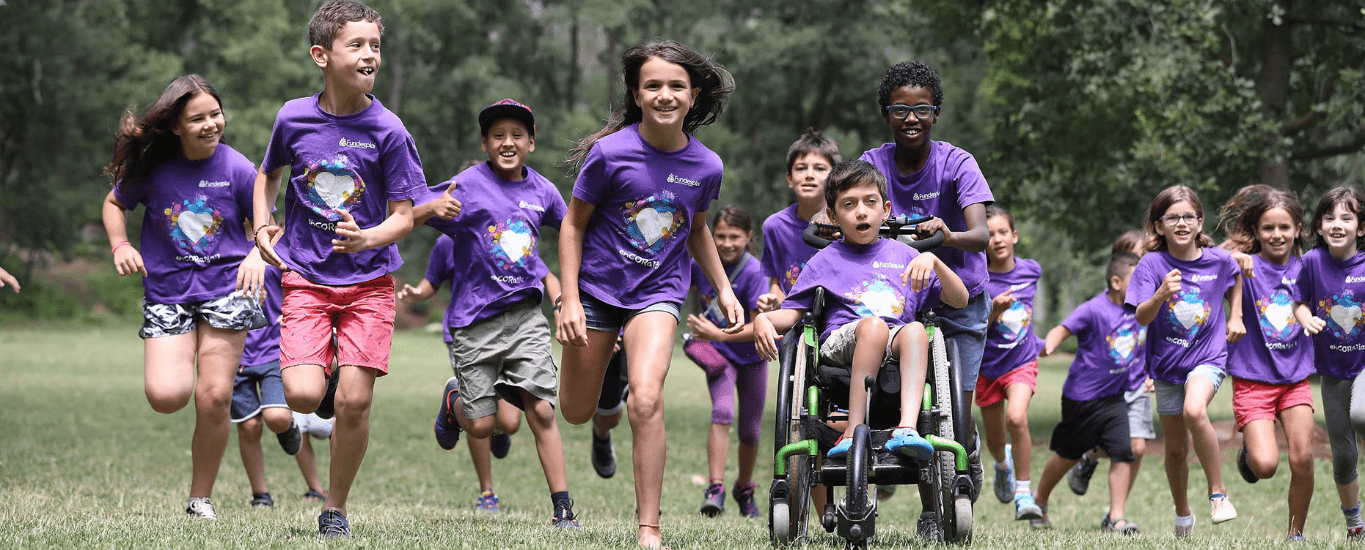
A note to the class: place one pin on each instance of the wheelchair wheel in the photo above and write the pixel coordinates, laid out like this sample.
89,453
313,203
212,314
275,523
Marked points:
859,463
955,511
788,513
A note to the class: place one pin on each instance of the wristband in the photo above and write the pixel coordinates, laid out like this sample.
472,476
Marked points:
559,300
117,246
257,234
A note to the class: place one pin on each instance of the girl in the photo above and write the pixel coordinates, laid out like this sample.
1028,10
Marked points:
1327,297
1009,366
638,207
1271,365
198,195
742,369
1178,291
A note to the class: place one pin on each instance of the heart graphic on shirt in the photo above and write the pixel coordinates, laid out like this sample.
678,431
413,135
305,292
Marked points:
333,188
1123,344
653,224
1279,316
194,224
515,244
881,303
1187,313
1014,318
1345,317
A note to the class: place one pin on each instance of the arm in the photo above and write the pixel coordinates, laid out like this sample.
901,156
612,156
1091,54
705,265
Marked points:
1055,337
127,260
974,239
420,293
1147,310
572,327
702,246
952,292
1236,328
7,279
773,298
1312,324
552,288
265,232
767,327
999,305
444,207
704,329
354,239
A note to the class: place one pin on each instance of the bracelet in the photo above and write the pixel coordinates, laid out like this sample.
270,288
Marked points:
257,233
117,246
559,300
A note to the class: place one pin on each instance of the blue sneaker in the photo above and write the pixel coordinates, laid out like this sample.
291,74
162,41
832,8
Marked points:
907,441
447,427
499,444
333,525
1004,479
564,517
1026,508
841,447
487,502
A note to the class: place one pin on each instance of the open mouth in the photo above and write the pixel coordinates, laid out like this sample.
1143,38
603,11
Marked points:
863,226
367,71
508,154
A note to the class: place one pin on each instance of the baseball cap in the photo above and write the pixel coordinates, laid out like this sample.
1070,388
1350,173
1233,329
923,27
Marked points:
507,108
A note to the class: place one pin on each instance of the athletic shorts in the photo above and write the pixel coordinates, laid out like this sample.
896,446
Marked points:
1139,414
1099,423
1170,398
236,311
609,318
362,315
502,354
992,391
837,349
257,388
1252,400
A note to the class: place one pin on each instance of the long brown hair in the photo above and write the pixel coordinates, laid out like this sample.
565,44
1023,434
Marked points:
1255,204
1349,196
1162,203
144,143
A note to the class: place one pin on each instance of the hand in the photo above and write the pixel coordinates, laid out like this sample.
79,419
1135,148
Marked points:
571,325
1236,330
266,237
1314,325
1244,262
1169,285
251,276
408,294
934,225
734,314
703,328
353,238
1048,350
918,272
127,261
7,279
446,207
1149,385
616,347
1001,303
769,302
765,338
828,234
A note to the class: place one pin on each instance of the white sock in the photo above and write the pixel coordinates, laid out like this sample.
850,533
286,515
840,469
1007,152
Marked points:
1184,521
1021,486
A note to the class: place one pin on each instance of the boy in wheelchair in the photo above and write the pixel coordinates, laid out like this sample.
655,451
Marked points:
874,288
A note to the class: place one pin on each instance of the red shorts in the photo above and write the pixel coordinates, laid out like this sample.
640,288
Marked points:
990,392
362,315
1252,400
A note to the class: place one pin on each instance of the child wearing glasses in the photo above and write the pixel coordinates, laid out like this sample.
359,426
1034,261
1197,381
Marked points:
1178,291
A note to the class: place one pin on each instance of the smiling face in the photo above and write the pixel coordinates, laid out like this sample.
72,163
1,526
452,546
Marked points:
860,211
200,127
1340,228
508,143
1000,247
353,59
1181,235
665,94
731,242
807,177
1276,231
910,132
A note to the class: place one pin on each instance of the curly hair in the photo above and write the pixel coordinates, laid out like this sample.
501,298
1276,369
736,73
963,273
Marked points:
1242,214
1348,196
813,142
1161,204
335,14
909,73
144,143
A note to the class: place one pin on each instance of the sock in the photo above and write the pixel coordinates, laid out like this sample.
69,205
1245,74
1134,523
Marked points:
1184,521
560,501
1021,486
1352,515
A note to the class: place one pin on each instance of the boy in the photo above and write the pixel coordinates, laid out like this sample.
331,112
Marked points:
809,160
499,340
1095,411
354,171
869,314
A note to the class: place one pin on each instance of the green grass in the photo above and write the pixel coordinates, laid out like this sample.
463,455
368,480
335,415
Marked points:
84,461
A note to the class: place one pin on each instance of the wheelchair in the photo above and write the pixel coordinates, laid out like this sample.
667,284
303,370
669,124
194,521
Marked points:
810,394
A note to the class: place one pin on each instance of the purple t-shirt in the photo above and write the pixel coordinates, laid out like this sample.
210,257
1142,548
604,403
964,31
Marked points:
635,247
1335,291
263,344
784,253
862,281
749,284
949,182
498,261
1011,341
193,236
1190,329
357,163
1275,349
1109,352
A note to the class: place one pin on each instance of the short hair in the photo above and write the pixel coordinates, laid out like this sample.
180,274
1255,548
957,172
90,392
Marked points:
1119,265
849,174
909,73
335,14
993,211
1349,196
813,142
1130,241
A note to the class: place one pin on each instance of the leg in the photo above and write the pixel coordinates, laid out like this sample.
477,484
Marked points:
722,390
479,453
304,386
540,416
869,353
308,466
249,443
581,372
1139,449
509,418
277,419
351,436
649,344
752,388
1263,453
1298,433
1016,423
1177,470
1198,394
220,353
1120,476
1053,472
168,370
993,418
912,347
1336,404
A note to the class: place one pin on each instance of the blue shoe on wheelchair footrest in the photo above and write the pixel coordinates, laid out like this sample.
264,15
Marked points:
907,441
840,448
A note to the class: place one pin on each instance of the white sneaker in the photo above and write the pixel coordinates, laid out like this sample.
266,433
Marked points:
1182,531
1222,509
200,506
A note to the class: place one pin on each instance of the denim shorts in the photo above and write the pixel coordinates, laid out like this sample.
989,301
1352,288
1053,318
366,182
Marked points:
257,388
1170,398
967,327
609,318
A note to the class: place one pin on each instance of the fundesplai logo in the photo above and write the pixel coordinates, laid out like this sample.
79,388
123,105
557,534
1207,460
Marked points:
924,196
1200,278
674,178
529,206
1355,279
204,183
1019,286
887,265
356,144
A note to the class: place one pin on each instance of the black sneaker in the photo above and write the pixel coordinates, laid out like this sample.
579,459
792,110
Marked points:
1244,468
262,500
603,457
499,444
327,408
314,495
200,507
744,496
447,427
333,525
291,440
564,517
978,473
713,500
1078,478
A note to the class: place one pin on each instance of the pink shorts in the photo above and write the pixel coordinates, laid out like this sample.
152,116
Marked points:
1252,400
990,392
362,315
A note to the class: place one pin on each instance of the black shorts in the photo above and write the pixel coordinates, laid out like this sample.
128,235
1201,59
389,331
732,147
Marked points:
1099,423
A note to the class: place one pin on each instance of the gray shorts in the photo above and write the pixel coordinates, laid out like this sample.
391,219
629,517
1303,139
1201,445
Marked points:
1170,398
497,356
838,348
236,311
1139,414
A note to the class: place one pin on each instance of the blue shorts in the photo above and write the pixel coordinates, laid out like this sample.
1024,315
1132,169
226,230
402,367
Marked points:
608,318
258,387
967,327
1170,398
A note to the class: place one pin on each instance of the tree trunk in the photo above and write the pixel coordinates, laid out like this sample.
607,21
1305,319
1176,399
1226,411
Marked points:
1273,87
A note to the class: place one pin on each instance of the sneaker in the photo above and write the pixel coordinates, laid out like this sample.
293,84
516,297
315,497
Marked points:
1182,531
1244,468
744,496
1222,510
1105,523
1122,527
200,506
327,408
885,491
1026,508
1078,478
906,441
333,525
499,444
1298,537
447,427
1041,523
564,518
603,457
713,500
291,440
1004,479
927,528
978,472
1355,532
487,502
262,500
314,495
841,447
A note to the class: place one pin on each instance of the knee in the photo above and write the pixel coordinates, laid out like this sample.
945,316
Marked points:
722,415
1195,414
1016,421
1300,462
278,419
644,406
1344,468
872,327
580,413
167,402
351,408
1358,416
1177,447
1139,448
749,435
1263,466
480,427
213,398
249,429
304,400
540,412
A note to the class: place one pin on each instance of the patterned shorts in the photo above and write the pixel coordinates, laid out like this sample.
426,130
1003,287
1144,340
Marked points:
236,311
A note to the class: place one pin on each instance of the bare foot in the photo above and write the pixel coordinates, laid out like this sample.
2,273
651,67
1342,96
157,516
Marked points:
649,536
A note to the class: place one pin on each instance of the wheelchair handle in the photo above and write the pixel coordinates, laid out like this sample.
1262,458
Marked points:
893,227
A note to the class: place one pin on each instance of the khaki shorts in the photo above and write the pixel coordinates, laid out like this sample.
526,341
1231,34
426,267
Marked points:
498,356
838,348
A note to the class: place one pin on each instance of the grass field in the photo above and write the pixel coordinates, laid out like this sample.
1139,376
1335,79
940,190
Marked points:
85,462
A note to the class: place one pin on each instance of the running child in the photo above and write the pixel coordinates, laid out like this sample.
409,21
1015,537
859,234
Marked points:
200,273
737,377
809,160
638,209
354,171
1178,290
1009,365
1327,303
869,310
1095,408
498,338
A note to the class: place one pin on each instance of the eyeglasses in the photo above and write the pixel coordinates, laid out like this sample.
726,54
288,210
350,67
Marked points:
1189,218
901,111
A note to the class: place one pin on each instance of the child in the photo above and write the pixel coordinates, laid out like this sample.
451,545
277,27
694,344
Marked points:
934,178
1009,366
1270,366
809,160
743,371
1327,298
1178,291
1095,410
354,171
611,404
643,189
199,265
869,312
498,338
